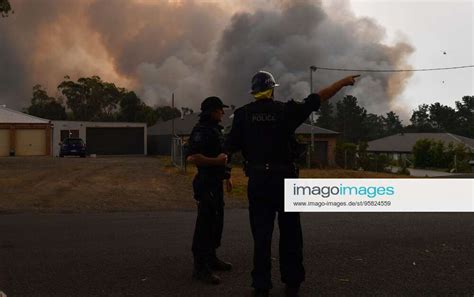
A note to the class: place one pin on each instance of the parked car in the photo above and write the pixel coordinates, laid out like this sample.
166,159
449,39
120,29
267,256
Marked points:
73,147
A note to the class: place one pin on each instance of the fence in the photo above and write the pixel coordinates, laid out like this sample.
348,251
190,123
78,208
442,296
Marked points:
178,153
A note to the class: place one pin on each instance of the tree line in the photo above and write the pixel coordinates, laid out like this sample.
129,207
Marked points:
92,99
355,124
5,8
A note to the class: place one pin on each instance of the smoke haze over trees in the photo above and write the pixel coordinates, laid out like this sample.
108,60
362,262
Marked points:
195,48
356,124
45,106
5,8
92,99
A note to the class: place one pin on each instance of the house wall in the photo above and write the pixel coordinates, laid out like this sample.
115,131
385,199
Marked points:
331,142
4,142
159,144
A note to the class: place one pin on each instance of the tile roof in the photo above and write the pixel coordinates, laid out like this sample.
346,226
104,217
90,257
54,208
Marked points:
403,143
182,126
10,116
306,129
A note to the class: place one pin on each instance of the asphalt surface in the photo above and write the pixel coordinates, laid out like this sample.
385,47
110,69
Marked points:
148,254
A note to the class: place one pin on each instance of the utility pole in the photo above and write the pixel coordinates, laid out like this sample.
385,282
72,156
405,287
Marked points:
311,70
172,121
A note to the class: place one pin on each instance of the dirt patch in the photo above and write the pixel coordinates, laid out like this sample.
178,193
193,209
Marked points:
93,184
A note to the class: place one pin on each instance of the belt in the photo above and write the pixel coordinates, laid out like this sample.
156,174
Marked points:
271,167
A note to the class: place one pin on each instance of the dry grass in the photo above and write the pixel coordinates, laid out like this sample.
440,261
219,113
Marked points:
102,184
115,184
240,180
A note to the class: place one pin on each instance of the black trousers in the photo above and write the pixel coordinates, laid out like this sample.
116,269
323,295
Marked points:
209,221
266,199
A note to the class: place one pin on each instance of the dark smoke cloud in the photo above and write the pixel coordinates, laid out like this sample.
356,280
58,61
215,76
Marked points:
193,48
18,40
166,47
287,41
44,41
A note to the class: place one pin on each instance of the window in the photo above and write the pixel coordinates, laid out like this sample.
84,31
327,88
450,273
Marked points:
69,134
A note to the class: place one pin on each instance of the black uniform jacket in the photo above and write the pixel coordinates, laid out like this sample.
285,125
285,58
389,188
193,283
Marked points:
207,139
262,129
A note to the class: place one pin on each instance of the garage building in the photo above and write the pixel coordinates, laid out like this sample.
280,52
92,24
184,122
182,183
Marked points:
23,135
103,138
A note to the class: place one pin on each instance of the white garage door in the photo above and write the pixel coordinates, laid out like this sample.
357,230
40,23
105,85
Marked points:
4,142
30,142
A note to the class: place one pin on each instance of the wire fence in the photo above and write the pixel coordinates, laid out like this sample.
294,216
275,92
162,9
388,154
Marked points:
315,68
178,153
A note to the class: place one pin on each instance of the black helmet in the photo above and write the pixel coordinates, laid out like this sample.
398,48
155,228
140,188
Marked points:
210,104
262,81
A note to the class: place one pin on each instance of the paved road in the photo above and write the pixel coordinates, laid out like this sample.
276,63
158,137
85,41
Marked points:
148,254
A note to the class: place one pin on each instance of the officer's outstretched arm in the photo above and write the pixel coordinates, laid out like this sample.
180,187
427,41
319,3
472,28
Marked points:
201,160
328,92
233,141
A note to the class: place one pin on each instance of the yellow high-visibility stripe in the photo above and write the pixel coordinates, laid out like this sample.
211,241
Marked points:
267,94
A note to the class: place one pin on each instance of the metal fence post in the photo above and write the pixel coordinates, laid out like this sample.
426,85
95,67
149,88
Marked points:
177,153
345,159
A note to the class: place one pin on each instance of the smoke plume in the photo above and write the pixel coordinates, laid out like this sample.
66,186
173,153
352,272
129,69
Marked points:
195,49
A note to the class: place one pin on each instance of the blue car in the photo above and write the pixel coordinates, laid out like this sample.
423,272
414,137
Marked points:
73,147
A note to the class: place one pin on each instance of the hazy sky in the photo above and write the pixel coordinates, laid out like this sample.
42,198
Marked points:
197,48
431,27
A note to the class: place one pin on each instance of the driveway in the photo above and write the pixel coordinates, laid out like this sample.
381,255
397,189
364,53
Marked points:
426,173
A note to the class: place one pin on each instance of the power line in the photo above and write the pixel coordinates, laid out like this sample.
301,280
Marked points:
314,68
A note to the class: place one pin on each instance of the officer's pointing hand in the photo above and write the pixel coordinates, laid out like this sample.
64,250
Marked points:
350,80
222,159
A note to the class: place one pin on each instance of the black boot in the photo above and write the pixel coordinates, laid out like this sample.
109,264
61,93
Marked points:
261,293
206,276
219,265
292,291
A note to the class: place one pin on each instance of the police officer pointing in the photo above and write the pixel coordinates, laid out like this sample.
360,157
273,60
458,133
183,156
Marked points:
264,131
206,151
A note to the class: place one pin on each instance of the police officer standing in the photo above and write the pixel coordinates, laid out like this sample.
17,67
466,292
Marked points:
205,150
264,131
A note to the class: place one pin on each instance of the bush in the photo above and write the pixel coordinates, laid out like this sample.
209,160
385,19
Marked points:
346,155
376,162
371,162
421,153
434,154
403,170
461,156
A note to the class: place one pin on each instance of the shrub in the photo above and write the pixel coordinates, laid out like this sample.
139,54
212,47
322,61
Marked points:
376,162
421,153
403,170
346,155
430,153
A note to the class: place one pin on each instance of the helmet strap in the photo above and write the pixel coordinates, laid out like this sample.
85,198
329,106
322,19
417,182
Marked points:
267,94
